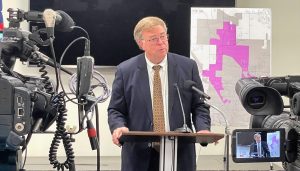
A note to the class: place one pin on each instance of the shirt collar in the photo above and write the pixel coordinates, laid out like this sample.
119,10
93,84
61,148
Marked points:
163,63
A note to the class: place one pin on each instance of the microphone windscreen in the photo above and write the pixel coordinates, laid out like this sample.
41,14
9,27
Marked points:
188,84
66,23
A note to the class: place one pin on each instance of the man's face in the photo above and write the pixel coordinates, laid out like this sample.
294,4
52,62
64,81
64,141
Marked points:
155,43
257,138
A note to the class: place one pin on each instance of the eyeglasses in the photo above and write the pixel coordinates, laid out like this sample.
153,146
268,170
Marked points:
163,37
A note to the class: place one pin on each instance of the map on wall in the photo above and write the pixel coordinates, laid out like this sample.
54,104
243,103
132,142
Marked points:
229,44
1,21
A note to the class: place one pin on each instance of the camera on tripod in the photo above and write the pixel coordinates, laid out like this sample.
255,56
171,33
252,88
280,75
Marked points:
25,102
28,104
262,98
31,104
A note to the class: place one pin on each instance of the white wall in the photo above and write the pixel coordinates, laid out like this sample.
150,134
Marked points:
285,55
285,33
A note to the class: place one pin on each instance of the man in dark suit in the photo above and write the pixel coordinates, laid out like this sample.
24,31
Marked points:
259,149
131,107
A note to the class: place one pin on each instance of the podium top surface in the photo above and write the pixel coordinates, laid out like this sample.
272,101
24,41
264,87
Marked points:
143,136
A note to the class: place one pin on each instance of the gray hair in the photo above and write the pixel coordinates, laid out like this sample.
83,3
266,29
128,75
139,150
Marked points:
147,23
257,135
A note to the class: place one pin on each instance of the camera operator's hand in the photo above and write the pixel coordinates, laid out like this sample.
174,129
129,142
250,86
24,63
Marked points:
117,134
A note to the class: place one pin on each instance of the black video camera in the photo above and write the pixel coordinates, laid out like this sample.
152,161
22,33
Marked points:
262,98
30,97
26,102
22,104
31,104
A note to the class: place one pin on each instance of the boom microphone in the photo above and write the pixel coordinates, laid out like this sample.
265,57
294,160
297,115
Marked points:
63,20
49,17
65,23
189,84
39,55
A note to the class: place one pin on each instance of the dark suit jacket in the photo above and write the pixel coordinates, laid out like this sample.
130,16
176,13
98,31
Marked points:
264,148
131,106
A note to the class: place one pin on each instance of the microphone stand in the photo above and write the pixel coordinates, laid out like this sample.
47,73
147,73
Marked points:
184,128
227,134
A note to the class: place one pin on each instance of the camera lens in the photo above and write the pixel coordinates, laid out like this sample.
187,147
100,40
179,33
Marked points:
256,100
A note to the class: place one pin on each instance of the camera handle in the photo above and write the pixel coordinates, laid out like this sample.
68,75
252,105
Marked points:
227,134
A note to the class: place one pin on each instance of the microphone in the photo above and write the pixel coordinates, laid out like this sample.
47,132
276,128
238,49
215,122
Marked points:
65,23
62,20
39,55
189,84
184,128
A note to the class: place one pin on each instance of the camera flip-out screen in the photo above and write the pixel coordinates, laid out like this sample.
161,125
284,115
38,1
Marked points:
257,145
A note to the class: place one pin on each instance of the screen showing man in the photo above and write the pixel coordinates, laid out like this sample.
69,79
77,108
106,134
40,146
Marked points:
259,148
258,145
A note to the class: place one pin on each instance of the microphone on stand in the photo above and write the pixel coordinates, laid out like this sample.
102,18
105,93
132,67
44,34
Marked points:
189,84
227,134
184,128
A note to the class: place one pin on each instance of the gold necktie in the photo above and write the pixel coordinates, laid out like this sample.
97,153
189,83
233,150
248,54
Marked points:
158,107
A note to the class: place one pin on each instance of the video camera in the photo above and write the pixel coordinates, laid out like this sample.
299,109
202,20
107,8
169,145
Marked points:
27,104
31,104
262,98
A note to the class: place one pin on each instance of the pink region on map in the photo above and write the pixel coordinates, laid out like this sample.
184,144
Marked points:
226,45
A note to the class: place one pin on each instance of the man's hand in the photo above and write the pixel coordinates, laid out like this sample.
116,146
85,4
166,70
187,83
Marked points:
117,134
203,131
207,131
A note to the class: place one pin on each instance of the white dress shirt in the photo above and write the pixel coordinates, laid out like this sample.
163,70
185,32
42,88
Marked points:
163,73
259,152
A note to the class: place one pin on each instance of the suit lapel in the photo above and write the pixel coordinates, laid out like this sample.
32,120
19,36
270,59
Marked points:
172,78
144,85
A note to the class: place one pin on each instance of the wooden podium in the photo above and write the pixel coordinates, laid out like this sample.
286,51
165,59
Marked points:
168,143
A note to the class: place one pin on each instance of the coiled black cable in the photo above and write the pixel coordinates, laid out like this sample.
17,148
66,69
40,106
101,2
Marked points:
61,134
46,80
